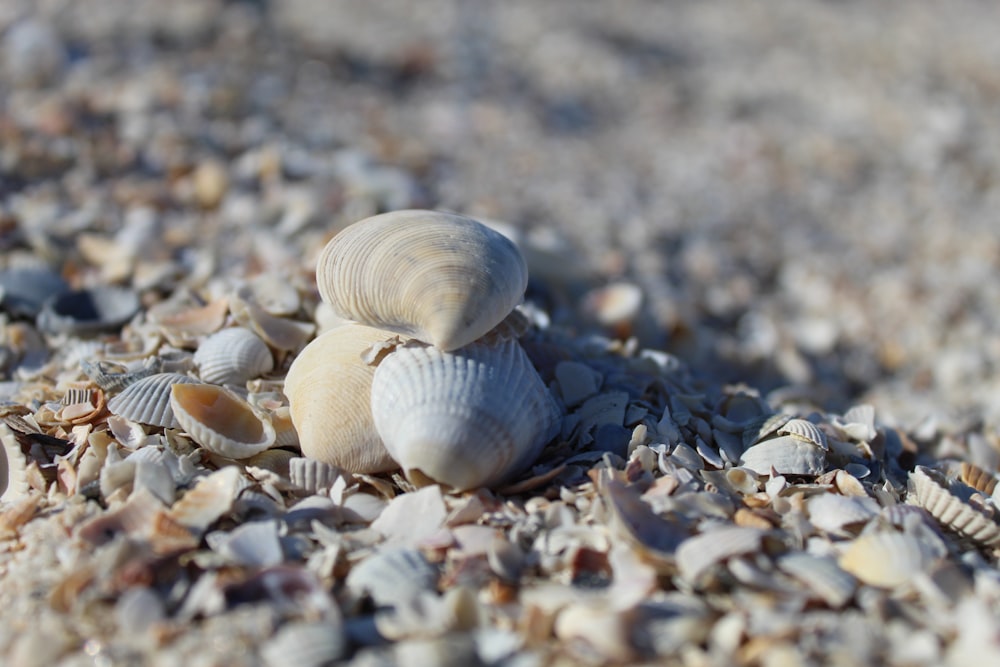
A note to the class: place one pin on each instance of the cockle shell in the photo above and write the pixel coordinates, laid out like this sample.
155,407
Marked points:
441,278
220,421
957,507
328,388
468,418
233,356
147,401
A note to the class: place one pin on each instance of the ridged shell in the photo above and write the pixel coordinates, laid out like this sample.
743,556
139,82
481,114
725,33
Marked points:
469,418
761,427
804,430
233,356
220,421
441,278
886,559
13,466
147,400
328,388
930,490
787,454
313,476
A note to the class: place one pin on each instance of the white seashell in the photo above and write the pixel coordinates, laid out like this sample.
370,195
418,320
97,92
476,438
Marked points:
697,555
233,356
859,422
13,466
834,513
957,507
821,575
147,401
253,544
804,430
762,427
220,421
441,278
329,388
279,332
468,418
305,644
786,454
886,559
392,576
312,475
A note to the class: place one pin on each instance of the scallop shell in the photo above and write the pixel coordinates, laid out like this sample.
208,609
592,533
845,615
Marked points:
762,427
328,388
804,430
886,559
147,400
441,278
952,506
787,454
220,421
468,418
233,356
13,466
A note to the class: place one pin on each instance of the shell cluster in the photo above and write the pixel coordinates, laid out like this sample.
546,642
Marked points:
452,403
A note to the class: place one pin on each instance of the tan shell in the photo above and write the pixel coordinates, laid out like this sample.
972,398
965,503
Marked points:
469,418
886,559
220,421
441,278
233,356
328,388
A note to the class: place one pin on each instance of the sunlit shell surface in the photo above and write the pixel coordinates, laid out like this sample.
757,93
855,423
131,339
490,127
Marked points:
233,356
443,279
956,506
220,421
147,401
786,454
328,388
886,559
468,418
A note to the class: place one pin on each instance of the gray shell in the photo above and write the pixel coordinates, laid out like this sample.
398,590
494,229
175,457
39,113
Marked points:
147,401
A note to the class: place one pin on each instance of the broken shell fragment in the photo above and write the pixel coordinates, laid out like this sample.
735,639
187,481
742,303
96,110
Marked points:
147,400
468,418
328,388
220,421
443,279
233,356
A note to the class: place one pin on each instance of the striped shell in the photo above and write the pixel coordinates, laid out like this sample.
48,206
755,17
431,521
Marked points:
233,356
468,418
443,279
220,421
957,507
147,401
328,388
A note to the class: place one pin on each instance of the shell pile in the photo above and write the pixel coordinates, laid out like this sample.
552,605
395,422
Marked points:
260,407
457,404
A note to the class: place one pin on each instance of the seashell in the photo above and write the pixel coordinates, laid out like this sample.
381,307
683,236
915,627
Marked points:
787,455
220,421
312,475
89,311
762,427
957,507
275,294
184,324
392,576
275,460
210,498
328,388
279,332
886,559
147,400
835,513
233,356
977,478
859,423
468,418
253,544
13,466
821,575
24,290
305,644
804,430
441,278
697,555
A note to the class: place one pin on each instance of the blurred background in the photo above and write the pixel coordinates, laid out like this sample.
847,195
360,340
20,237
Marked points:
797,196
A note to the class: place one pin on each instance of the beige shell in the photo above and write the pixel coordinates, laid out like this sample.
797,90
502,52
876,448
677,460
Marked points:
147,401
233,356
469,418
886,559
328,388
441,278
220,421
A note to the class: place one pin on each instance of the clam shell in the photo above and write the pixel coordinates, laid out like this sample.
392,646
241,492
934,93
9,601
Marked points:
441,278
886,559
147,400
786,454
233,356
328,388
13,466
468,418
804,430
220,421
950,505
89,311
